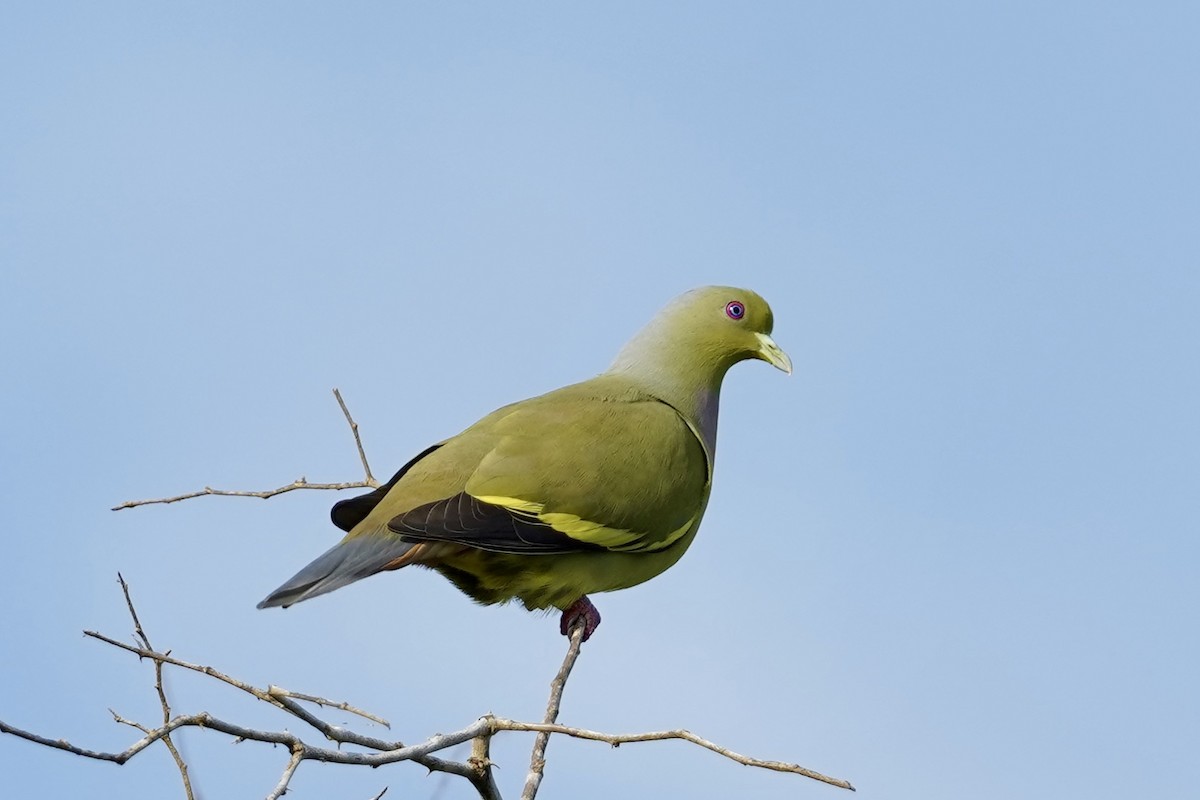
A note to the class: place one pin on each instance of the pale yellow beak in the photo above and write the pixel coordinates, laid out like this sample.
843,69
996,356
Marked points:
772,353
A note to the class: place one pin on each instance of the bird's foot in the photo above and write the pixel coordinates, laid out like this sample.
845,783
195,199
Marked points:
581,610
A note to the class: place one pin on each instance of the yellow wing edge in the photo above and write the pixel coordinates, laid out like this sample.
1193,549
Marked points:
583,530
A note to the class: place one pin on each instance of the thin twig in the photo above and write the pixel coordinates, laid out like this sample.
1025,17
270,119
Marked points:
299,483
362,454
117,718
537,760
140,635
617,739
276,691
368,482
167,658
280,698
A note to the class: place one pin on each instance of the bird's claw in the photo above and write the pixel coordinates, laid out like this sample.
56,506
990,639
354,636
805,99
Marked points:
581,610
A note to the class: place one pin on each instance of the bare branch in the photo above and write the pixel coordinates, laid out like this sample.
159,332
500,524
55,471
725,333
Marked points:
63,744
362,454
616,739
117,718
140,634
537,760
166,658
481,762
388,751
276,691
299,483
397,752
368,482
280,698
478,731
477,770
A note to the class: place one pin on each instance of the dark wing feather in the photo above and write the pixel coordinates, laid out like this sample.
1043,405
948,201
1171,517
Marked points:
348,513
468,521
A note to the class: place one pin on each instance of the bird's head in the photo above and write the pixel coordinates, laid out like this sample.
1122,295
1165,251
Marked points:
705,332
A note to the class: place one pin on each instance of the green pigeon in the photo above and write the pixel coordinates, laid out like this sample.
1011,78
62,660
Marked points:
593,487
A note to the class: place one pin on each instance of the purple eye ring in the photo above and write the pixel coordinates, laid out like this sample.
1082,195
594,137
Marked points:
735,310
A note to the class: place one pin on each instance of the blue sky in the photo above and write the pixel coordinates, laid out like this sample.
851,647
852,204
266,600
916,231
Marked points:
953,555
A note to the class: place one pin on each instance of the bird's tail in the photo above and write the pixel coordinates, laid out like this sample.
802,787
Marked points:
346,562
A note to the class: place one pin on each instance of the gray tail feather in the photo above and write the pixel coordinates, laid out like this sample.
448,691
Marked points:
344,563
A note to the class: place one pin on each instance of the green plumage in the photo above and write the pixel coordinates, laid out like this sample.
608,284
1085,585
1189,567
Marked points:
597,486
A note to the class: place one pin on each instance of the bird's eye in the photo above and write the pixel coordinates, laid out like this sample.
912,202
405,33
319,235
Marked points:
735,310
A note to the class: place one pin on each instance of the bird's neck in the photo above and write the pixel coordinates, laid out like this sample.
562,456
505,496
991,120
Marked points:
696,396
706,419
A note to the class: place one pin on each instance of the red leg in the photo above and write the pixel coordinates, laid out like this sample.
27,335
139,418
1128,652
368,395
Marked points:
580,609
